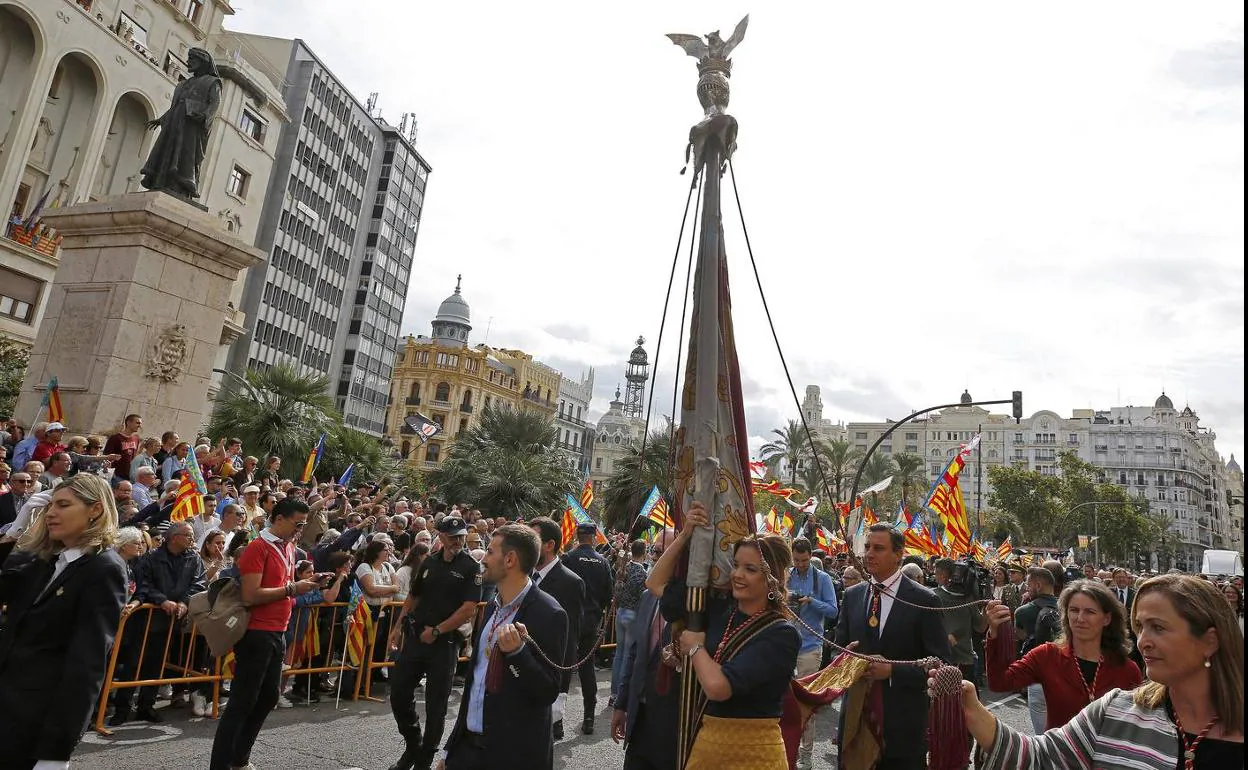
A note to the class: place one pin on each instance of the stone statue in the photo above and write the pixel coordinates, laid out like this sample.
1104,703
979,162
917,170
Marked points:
167,359
178,152
714,66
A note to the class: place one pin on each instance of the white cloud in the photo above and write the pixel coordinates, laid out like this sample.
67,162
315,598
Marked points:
982,195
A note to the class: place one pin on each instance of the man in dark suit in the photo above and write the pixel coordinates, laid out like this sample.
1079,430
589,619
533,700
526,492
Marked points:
509,687
595,572
874,622
648,700
568,590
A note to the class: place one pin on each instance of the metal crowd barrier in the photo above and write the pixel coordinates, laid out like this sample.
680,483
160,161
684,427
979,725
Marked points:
180,664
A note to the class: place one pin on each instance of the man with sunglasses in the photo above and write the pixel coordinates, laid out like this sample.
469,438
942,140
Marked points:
20,488
267,573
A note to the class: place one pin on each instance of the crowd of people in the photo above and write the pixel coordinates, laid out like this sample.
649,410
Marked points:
88,538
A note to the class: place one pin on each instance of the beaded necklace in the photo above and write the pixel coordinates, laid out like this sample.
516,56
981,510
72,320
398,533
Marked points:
731,633
1090,690
1189,747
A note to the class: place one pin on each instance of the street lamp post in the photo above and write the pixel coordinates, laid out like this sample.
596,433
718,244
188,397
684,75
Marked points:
1096,523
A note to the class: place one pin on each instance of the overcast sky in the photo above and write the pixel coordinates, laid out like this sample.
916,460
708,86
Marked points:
940,196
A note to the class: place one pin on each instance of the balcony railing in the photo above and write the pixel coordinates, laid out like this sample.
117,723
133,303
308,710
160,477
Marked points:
443,404
571,420
412,401
430,463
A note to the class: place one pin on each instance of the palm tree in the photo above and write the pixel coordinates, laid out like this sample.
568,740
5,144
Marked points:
877,468
911,475
347,446
277,411
839,461
790,447
507,465
632,478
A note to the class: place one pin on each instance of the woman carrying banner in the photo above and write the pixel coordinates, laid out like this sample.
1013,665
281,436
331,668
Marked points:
745,660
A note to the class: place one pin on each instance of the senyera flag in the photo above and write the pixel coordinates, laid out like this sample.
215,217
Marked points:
314,457
52,402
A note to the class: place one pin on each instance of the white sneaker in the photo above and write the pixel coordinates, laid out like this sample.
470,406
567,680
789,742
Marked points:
199,705
284,703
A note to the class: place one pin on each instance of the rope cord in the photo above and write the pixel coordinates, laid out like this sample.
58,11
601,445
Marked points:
602,631
694,184
680,349
814,451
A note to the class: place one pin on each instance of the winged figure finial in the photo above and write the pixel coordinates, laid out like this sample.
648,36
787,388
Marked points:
714,66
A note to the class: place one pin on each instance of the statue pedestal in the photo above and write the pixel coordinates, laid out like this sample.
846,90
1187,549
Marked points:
137,313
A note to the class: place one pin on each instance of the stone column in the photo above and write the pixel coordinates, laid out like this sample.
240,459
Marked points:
136,313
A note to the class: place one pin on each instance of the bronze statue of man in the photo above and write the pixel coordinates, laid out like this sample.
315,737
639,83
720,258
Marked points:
178,152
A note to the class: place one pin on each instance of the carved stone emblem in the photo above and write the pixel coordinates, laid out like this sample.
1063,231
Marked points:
167,359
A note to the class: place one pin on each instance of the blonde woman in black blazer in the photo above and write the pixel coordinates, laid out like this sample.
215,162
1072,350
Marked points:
65,587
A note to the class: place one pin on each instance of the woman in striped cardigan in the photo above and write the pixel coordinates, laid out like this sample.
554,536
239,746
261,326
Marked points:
1190,715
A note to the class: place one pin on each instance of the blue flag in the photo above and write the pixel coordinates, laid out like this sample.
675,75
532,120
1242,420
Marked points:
345,479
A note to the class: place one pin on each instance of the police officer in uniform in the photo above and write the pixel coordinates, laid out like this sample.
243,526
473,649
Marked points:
595,572
443,596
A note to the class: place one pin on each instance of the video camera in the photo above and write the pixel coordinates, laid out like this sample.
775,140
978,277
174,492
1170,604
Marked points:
972,579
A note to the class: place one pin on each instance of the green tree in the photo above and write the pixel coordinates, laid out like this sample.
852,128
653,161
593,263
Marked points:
840,460
277,411
632,477
877,468
13,360
1055,510
910,478
508,464
789,447
344,446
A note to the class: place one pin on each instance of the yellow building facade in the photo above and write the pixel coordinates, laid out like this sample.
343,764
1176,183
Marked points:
445,380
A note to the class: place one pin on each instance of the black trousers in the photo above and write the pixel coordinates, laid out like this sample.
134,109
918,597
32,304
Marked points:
470,754
435,662
153,663
589,677
257,686
650,746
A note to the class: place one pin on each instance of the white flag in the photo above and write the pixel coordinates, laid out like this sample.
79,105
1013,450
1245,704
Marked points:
879,486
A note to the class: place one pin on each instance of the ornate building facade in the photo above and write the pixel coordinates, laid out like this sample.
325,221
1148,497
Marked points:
450,382
79,81
574,432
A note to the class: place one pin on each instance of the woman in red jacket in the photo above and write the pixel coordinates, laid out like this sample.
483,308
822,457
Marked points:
1086,661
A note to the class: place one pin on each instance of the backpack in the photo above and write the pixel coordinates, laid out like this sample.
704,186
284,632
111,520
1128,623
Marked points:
220,615
1048,626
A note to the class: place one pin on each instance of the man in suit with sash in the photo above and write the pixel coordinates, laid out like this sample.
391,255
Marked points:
894,617
509,687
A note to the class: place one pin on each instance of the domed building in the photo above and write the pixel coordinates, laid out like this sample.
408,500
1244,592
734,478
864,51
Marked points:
623,426
445,380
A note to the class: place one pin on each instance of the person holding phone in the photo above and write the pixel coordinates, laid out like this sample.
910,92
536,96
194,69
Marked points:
329,584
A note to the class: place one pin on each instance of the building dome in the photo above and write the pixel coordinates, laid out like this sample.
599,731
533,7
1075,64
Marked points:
639,356
966,397
454,309
1233,466
1163,402
1187,412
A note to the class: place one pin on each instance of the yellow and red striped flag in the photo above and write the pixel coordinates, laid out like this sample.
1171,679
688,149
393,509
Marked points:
1006,548
568,527
946,500
359,626
189,501
587,494
52,400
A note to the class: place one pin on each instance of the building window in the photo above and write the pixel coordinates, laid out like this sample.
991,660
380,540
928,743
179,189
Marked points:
598,463
136,33
253,125
860,436
463,424
912,437
433,452
18,295
443,392
238,182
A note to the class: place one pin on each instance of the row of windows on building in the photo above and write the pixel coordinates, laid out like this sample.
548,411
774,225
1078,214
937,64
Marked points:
300,230
294,266
283,300
315,357
308,196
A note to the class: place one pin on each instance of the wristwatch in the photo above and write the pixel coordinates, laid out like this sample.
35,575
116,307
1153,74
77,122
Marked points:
693,650
436,632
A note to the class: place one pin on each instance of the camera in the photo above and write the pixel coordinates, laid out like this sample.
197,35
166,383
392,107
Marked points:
971,579
795,601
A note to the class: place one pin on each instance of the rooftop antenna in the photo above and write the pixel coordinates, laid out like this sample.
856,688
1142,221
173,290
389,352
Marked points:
488,324
413,130
371,106
403,122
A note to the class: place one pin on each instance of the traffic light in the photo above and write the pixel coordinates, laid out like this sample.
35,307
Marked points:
1018,406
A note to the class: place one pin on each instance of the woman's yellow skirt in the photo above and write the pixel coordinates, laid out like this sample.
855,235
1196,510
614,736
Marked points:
738,744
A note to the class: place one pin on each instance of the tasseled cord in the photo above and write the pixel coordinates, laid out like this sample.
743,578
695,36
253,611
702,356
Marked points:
948,743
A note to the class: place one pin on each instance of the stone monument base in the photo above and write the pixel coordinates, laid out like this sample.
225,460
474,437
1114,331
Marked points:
136,312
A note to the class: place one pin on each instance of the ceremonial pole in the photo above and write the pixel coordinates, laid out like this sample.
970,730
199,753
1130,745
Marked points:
712,454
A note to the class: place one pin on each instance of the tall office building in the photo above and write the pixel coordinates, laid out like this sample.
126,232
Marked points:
339,226
366,347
